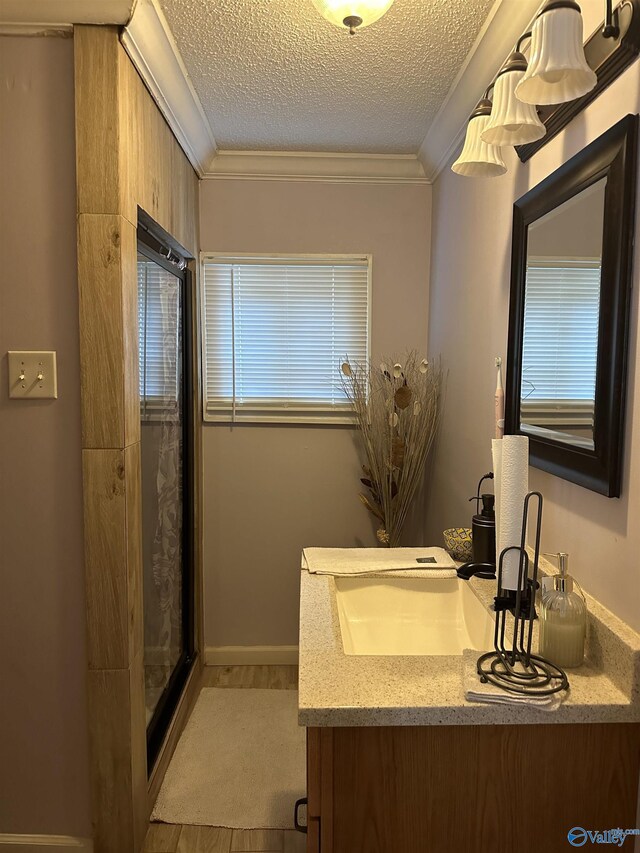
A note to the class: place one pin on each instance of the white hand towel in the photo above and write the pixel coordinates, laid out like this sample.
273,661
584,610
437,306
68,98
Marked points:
476,691
406,562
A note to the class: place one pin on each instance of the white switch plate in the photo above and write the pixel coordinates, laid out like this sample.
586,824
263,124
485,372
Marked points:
24,370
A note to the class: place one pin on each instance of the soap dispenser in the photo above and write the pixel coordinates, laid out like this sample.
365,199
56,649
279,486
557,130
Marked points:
483,531
483,536
563,618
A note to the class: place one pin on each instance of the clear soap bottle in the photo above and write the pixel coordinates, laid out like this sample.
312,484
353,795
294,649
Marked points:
563,619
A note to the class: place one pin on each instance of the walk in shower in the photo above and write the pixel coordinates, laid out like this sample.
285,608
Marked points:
164,323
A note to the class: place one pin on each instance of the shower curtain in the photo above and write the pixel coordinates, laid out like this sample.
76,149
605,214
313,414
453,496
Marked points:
166,552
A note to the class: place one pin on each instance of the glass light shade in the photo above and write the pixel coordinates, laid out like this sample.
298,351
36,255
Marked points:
512,122
477,159
558,70
337,10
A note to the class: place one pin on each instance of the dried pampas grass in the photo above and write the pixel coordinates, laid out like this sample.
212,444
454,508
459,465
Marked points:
397,408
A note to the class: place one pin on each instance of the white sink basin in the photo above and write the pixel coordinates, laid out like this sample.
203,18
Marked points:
411,616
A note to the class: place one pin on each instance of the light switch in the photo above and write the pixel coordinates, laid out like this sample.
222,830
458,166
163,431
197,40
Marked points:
32,375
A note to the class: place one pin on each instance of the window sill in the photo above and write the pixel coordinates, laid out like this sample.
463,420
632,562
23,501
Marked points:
295,418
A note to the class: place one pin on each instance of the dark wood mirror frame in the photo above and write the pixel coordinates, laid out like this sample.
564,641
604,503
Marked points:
613,156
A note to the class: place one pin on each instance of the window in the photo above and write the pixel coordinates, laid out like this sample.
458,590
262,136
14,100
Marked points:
275,331
158,325
560,346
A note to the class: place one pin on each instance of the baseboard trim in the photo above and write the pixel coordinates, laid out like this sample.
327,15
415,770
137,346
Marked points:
250,655
10,843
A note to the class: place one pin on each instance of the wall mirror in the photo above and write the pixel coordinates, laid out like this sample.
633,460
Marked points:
571,279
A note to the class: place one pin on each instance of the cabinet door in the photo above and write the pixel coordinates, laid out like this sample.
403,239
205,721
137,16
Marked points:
320,790
313,790
461,789
313,835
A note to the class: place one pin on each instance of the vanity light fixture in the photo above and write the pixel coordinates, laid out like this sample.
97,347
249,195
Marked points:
478,159
529,98
558,70
512,121
352,13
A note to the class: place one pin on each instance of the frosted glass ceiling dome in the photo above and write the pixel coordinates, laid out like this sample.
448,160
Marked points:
352,13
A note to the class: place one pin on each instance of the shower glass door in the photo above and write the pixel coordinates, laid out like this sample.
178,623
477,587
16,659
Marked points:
165,428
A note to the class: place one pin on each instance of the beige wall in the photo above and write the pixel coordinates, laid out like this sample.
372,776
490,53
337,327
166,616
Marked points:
271,490
468,325
44,775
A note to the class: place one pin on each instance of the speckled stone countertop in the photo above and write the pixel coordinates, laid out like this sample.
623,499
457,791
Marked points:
336,689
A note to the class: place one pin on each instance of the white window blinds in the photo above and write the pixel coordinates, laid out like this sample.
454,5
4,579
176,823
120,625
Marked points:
560,349
275,331
158,328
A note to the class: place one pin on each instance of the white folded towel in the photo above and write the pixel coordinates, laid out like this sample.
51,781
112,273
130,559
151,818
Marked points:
405,562
476,691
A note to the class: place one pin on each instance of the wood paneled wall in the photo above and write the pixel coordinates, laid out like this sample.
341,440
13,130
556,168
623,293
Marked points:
126,158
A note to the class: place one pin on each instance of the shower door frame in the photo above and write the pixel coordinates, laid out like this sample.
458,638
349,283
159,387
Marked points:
151,246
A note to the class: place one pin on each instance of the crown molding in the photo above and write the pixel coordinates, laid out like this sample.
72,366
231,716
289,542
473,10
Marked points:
62,14
504,25
316,166
151,47
153,50
147,39
59,30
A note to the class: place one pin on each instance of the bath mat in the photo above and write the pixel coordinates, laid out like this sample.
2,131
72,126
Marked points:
240,762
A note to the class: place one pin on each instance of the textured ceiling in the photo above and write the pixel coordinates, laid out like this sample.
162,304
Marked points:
275,75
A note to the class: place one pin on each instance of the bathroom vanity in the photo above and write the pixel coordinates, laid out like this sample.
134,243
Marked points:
400,762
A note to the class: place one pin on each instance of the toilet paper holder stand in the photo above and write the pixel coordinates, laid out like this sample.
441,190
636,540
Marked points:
511,665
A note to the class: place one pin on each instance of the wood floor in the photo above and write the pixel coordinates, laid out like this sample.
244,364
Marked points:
170,838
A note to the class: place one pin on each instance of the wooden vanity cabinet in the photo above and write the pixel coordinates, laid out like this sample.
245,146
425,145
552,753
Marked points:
468,789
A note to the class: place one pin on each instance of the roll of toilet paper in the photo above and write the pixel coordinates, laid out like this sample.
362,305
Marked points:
513,488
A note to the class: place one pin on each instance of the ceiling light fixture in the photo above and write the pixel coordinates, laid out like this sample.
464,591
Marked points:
352,13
